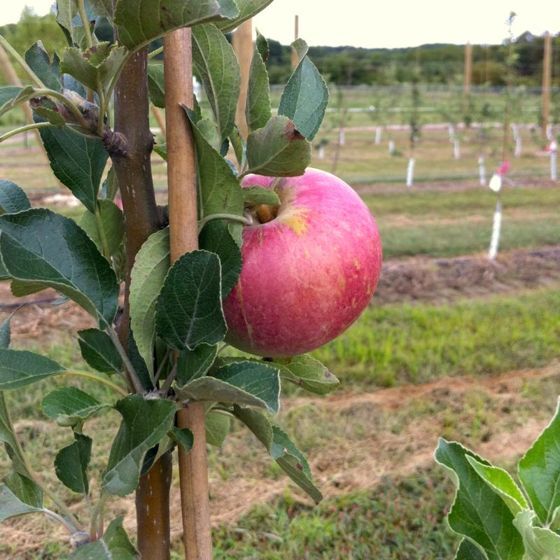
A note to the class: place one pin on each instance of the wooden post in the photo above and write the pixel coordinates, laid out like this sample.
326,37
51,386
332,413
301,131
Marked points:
181,176
546,79
468,70
242,42
295,58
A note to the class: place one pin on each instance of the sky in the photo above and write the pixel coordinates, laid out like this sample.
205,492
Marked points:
387,23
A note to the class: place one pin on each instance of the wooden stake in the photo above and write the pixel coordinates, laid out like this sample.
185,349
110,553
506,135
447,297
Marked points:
181,176
242,42
295,58
546,79
468,69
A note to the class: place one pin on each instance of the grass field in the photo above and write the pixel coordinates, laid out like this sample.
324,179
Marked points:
481,365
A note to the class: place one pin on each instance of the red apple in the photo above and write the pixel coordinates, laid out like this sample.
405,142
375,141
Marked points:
307,273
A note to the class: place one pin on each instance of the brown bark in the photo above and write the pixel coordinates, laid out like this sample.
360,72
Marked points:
134,175
181,175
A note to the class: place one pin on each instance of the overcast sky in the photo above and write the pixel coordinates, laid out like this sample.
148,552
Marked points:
387,23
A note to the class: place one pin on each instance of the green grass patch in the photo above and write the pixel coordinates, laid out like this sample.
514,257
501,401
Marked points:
399,520
397,344
419,203
466,237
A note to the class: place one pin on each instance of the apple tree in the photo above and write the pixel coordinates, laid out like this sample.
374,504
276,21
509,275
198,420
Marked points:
157,308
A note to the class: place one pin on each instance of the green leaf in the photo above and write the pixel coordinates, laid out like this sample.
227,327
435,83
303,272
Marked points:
215,62
156,84
144,424
110,186
46,70
141,21
148,274
78,162
309,373
209,129
7,96
19,368
102,7
193,364
66,10
25,489
501,482
539,470
245,383
12,96
478,512
107,230
183,437
12,198
12,506
71,464
40,247
189,309
216,238
254,196
290,459
99,351
70,406
247,9
305,98
257,110
113,545
540,543
469,551
220,190
96,66
278,149
218,425
257,379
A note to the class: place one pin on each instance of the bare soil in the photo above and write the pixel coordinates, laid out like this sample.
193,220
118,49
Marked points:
442,280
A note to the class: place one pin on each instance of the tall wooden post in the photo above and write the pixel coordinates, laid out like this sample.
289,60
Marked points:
468,69
181,177
546,80
242,42
295,58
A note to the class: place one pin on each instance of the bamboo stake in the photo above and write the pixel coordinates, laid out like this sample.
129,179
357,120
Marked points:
295,58
468,69
242,42
546,79
181,176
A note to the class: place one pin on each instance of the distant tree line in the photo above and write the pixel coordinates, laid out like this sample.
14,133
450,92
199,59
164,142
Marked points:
347,66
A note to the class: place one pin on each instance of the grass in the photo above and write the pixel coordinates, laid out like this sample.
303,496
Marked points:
397,344
399,520
466,237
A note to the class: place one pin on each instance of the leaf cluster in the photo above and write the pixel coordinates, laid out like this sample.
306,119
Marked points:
501,518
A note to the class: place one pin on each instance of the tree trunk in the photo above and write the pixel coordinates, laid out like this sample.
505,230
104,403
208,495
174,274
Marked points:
134,174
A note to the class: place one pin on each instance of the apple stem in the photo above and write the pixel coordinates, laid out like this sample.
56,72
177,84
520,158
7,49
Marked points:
247,221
